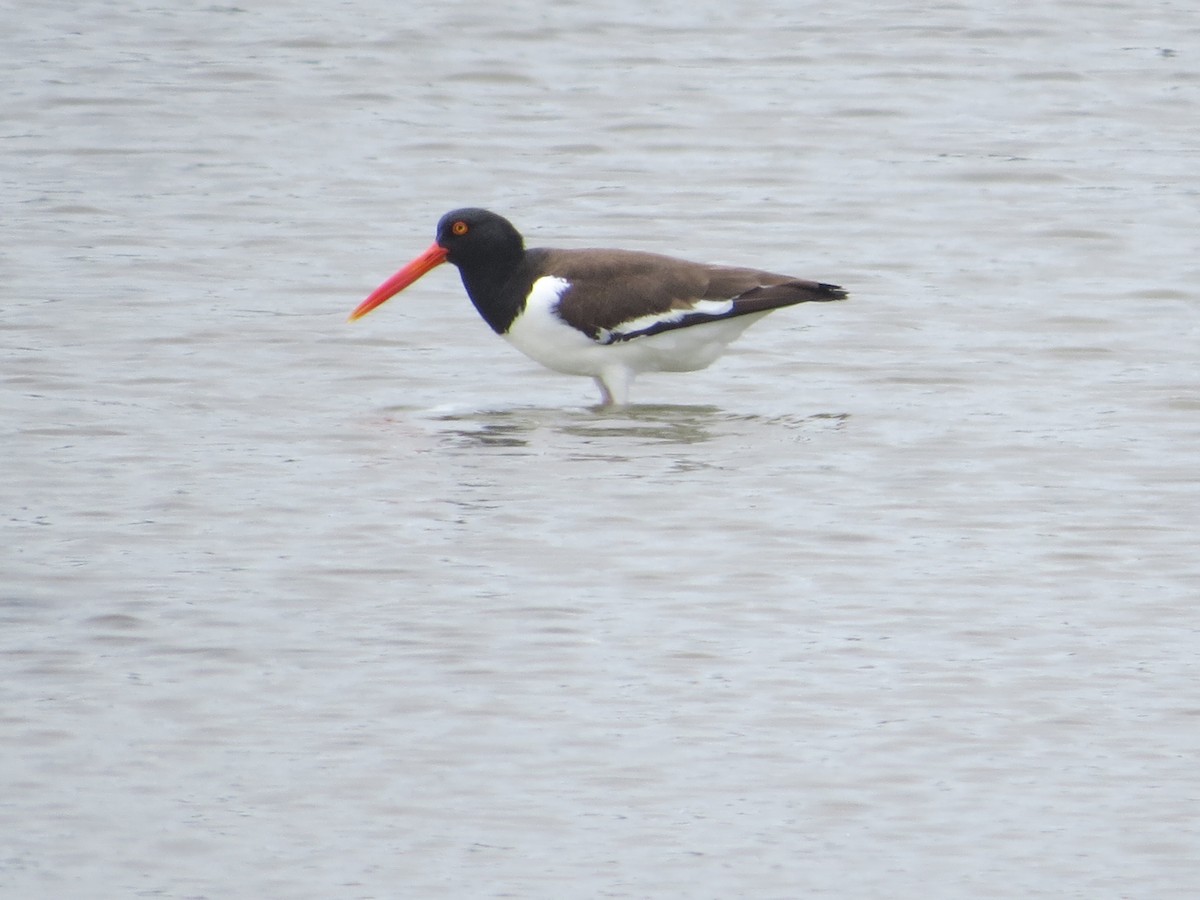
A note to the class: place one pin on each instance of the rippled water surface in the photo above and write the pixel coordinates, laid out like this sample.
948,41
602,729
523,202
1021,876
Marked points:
898,599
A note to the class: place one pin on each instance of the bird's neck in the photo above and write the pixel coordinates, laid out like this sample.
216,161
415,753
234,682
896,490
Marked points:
498,288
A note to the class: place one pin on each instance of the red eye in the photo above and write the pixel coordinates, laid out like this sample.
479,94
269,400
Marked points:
460,227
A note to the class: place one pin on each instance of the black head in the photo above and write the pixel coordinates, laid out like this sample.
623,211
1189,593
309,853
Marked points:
486,249
475,238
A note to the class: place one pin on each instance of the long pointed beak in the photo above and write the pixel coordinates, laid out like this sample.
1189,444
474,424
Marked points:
430,259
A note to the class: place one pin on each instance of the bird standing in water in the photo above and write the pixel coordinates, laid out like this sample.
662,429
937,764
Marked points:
610,314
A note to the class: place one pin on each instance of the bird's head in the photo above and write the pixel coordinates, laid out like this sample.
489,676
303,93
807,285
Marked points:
472,239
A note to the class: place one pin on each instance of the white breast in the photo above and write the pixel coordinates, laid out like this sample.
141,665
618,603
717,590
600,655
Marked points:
543,336
540,334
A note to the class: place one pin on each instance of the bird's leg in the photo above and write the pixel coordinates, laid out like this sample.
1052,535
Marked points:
606,398
614,386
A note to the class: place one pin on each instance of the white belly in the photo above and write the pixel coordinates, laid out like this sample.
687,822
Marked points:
542,336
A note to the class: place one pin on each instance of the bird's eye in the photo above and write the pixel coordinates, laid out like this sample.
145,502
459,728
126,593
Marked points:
460,227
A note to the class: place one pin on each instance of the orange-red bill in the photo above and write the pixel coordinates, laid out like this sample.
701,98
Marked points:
430,259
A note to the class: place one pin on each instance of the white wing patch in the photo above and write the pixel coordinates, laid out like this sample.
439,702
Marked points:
706,309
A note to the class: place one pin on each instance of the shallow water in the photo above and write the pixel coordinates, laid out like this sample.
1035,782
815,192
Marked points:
898,599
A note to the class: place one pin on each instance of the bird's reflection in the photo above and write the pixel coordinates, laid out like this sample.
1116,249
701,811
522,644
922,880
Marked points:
642,424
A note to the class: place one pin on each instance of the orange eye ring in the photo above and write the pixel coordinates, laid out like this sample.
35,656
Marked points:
459,228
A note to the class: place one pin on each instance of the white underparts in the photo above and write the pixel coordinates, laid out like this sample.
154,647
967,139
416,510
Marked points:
542,335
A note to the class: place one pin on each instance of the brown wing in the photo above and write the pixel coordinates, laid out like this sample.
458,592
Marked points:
620,294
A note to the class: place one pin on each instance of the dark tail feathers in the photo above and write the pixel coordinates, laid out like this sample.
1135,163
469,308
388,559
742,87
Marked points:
824,292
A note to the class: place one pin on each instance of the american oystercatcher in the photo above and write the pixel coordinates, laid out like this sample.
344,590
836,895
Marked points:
610,314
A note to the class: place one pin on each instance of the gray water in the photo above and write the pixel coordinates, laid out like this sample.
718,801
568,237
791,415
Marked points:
898,599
